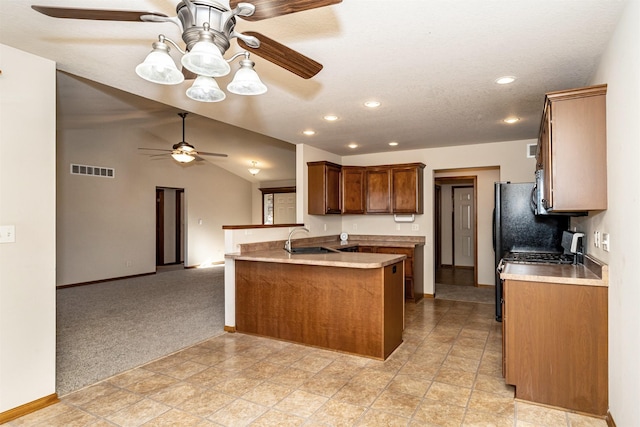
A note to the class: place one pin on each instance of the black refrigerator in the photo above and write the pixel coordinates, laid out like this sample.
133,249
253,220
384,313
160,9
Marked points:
517,229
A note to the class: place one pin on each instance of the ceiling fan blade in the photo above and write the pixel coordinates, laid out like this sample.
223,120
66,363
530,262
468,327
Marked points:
204,153
271,8
95,14
154,149
283,56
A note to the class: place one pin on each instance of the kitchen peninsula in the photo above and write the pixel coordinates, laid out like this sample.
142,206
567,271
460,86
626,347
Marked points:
345,301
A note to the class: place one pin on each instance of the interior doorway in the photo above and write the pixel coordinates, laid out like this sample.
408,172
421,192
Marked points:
455,213
170,226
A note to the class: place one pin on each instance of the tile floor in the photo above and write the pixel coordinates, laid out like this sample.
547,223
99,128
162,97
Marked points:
446,373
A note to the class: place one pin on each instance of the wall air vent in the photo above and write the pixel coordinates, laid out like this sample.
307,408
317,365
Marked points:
92,170
531,150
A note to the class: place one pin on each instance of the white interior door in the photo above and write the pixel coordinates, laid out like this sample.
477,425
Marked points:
464,226
284,208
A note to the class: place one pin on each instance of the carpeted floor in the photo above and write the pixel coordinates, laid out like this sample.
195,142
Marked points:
107,328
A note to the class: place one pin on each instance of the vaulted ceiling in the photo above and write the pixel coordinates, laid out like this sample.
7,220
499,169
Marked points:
432,64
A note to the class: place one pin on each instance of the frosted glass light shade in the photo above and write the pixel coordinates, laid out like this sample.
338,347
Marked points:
205,59
205,89
158,67
246,81
182,157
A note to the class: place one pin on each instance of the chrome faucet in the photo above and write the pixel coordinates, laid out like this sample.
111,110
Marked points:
287,244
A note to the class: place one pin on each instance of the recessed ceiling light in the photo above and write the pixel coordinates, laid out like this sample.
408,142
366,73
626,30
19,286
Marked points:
331,118
309,132
393,143
511,120
353,145
372,104
505,80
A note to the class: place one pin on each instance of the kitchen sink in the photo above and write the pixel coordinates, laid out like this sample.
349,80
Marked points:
312,250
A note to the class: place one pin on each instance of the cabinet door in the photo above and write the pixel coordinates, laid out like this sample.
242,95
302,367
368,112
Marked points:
353,189
324,188
378,184
408,267
406,189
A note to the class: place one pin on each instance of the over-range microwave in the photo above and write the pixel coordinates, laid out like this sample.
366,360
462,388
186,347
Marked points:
537,198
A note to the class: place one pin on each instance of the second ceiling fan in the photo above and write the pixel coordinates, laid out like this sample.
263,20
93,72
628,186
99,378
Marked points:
183,152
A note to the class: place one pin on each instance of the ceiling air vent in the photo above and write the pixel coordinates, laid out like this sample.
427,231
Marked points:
531,150
92,170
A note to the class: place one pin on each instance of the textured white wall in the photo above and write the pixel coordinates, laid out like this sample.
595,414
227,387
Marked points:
27,200
620,69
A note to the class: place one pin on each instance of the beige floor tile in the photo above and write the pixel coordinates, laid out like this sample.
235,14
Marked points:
177,393
210,357
494,385
312,363
291,377
107,404
262,370
357,394
237,385
209,377
205,403
400,404
483,401
451,394
484,419
337,413
439,413
324,385
540,415
461,350
236,363
461,363
267,394
238,413
90,393
275,418
455,377
174,418
183,370
407,384
166,362
138,413
152,384
373,378
301,403
373,417
130,377
577,420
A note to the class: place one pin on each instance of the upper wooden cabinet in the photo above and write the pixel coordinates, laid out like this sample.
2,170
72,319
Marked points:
388,189
324,188
572,150
378,189
353,186
406,188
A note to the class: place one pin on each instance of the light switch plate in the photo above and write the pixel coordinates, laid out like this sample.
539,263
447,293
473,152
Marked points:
7,233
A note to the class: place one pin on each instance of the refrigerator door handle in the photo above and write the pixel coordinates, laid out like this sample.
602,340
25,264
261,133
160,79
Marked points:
494,229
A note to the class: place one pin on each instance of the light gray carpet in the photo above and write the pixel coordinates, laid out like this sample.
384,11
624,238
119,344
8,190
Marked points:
465,293
107,328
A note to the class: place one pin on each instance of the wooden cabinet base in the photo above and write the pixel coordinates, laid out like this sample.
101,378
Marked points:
359,311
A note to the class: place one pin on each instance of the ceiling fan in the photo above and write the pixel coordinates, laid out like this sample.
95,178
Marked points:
183,152
195,16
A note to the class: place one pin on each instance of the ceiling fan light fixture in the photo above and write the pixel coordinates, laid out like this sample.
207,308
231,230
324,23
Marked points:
158,66
246,81
205,89
205,58
182,156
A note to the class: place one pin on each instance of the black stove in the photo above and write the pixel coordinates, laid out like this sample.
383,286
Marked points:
539,258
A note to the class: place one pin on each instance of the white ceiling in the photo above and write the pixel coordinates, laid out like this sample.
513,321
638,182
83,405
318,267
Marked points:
431,63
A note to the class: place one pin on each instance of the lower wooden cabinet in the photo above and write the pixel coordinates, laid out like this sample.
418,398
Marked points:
413,288
555,344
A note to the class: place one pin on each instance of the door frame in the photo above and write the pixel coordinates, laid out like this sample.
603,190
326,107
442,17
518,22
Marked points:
461,180
180,233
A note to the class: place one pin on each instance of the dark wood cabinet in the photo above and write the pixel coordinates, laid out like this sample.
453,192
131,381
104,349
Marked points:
406,188
378,189
572,150
555,344
324,188
353,189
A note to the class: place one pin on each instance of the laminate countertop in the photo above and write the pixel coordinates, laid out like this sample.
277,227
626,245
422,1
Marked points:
331,259
591,273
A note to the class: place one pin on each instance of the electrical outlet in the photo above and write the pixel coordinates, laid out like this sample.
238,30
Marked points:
415,227
596,239
325,227
398,227
7,234
606,242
